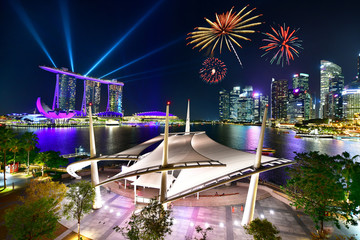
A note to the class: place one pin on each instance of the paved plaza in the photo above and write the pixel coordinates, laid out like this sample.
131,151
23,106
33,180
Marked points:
225,219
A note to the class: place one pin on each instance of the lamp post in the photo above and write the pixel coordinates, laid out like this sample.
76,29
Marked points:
163,185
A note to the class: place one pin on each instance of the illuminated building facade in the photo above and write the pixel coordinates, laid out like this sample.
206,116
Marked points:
234,103
114,103
299,104
92,95
65,90
335,98
260,102
246,105
351,100
279,99
224,107
328,71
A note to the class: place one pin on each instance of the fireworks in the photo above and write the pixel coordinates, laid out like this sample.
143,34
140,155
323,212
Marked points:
283,44
213,70
227,28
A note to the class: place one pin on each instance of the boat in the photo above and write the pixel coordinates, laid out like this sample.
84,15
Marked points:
112,123
266,151
314,134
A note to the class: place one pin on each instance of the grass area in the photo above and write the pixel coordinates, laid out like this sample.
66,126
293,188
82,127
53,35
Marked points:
8,189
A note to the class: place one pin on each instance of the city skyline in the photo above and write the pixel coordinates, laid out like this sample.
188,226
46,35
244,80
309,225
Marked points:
171,69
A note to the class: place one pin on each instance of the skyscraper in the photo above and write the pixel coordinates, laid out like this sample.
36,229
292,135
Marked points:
234,103
351,100
92,93
358,67
260,102
299,104
65,91
114,98
224,107
328,71
335,98
246,105
279,99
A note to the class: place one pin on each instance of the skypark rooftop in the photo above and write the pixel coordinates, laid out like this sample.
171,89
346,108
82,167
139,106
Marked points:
79,76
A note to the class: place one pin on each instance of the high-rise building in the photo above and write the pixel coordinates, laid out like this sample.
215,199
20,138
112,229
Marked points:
224,106
299,104
66,86
234,103
358,68
301,81
351,100
114,98
328,71
335,98
279,99
92,93
260,102
246,105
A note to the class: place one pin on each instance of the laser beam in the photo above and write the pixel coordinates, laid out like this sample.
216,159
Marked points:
66,23
26,20
156,70
144,56
125,36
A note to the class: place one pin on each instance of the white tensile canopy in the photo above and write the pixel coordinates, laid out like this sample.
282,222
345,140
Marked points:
202,163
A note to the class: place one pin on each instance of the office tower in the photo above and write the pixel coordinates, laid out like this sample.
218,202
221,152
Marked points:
65,91
234,103
335,99
224,105
260,102
299,104
351,100
328,71
301,81
246,105
358,67
279,99
92,94
114,103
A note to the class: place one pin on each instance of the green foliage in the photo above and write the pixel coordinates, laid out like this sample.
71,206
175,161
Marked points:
6,136
29,142
50,159
321,185
152,223
81,196
46,188
262,230
33,220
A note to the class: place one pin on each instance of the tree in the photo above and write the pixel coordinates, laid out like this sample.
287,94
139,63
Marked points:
81,196
153,222
30,140
41,159
262,230
203,232
15,146
6,135
46,188
32,220
317,185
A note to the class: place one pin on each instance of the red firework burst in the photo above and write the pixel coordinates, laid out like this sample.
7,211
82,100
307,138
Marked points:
283,44
213,70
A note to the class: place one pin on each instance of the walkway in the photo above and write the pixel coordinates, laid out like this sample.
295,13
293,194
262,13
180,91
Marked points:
225,220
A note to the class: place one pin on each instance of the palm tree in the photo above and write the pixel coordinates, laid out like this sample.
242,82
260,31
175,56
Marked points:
41,159
30,140
15,146
6,135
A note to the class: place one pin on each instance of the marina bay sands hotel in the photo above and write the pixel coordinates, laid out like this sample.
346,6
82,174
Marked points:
65,93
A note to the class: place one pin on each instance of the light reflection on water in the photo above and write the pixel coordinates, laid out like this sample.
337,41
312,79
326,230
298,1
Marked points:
113,139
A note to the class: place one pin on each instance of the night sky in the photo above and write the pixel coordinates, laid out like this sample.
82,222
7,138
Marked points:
330,30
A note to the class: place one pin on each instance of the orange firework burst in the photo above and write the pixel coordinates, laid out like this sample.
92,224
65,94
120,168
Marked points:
213,70
283,44
227,27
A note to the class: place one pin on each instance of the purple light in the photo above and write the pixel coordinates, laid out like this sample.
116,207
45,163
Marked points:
335,96
255,95
79,76
296,90
53,114
109,114
153,113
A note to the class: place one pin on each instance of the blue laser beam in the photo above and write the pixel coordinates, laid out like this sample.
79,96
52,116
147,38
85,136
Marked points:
26,20
156,70
66,23
125,36
144,56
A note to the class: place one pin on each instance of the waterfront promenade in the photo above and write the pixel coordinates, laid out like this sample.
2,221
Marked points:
223,213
